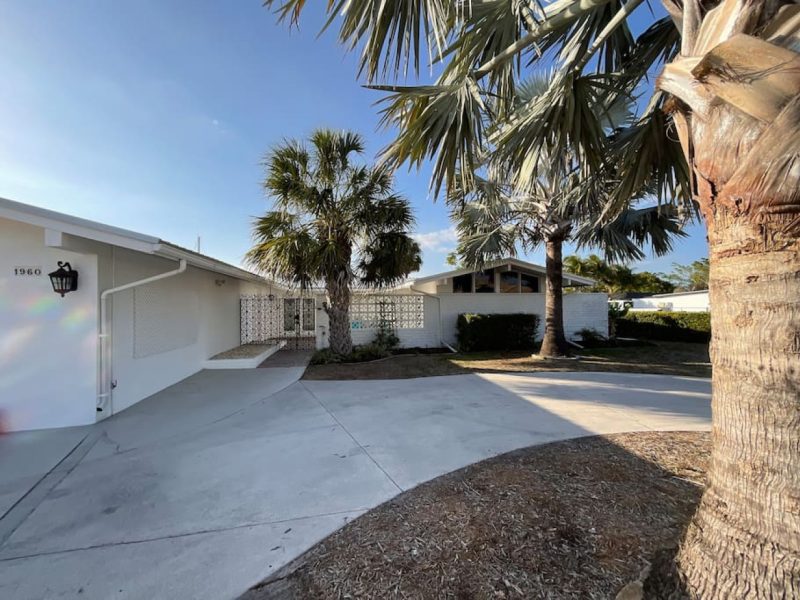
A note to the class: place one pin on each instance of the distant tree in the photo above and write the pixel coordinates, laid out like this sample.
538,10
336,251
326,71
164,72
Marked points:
452,259
616,279
333,222
688,278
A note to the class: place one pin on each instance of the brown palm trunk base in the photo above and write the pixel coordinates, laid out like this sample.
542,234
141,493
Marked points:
744,541
340,338
554,342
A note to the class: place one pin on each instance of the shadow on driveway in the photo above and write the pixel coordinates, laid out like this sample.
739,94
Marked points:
209,486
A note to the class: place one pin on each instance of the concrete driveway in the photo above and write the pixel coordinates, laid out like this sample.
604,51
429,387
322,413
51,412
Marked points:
209,486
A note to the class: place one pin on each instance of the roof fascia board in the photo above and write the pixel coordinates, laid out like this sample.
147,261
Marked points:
168,250
48,219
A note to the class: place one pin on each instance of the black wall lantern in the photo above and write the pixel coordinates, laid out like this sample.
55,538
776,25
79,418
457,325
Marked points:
64,279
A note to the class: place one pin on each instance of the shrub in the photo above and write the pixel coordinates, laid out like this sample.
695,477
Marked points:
668,326
591,338
363,353
368,352
386,336
515,331
326,356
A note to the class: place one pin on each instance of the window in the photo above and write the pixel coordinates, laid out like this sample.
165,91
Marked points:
509,282
484,282
462,284
290,314
530,284
308,314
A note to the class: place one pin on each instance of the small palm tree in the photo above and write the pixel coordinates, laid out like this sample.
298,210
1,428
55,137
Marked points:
333,222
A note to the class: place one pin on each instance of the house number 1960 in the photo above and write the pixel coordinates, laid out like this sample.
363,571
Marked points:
27,271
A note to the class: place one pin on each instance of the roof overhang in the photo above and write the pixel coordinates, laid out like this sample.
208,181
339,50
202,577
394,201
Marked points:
570,280
55,224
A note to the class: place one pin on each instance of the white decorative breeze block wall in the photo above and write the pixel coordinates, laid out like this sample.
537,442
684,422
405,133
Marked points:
420,330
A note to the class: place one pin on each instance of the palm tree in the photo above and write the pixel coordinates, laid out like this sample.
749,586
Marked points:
562,204
333,222
722,129
494,219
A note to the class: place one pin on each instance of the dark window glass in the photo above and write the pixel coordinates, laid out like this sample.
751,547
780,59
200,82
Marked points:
484,282
530,283
462,284
509,282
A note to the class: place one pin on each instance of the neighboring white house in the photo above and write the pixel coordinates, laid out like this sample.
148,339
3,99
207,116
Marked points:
678,301
147,313
429,309
52,370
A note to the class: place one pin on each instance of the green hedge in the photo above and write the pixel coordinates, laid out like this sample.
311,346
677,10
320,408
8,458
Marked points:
515,331
667,326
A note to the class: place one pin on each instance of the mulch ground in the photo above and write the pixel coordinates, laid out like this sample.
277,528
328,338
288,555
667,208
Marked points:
663,358
574,519
403,366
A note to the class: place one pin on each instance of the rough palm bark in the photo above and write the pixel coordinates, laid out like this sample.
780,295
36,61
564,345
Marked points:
738,118
338,289
554,342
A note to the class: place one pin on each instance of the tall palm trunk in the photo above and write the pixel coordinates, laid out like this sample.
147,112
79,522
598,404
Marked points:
554,343
338,288
744,541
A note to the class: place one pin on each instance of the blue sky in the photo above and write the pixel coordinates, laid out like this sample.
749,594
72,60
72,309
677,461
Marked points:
154,116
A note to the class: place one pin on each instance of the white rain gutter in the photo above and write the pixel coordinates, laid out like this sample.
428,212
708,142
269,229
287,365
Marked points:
439,306
106,385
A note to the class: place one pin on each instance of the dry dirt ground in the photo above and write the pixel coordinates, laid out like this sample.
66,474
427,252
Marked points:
663,358
573,519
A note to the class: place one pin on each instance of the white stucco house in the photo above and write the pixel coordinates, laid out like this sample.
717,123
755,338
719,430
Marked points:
162,311
147,313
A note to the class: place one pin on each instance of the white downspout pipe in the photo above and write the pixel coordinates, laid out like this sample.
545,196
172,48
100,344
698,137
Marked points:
439,306
104,394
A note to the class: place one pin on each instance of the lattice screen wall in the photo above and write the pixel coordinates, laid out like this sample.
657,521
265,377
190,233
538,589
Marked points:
264,320
399,311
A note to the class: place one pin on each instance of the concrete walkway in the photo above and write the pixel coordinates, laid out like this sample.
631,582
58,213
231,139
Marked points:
211,485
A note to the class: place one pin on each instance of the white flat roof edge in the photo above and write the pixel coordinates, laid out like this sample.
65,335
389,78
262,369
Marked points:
117,236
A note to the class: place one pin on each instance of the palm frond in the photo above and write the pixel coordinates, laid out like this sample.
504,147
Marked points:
388,258
284,248
443,123
648,156
569,118
623,238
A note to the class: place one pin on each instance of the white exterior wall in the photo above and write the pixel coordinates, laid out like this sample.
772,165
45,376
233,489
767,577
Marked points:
48,351
581,310
456,304
585,310
686,302
180,322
